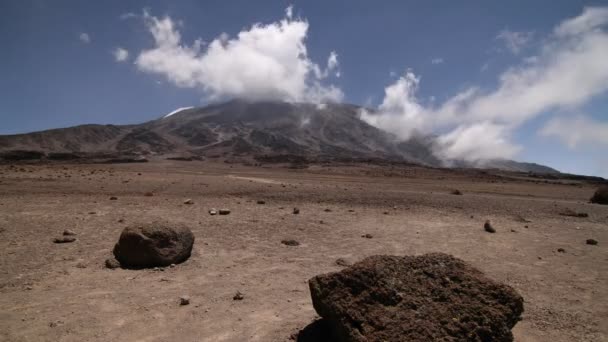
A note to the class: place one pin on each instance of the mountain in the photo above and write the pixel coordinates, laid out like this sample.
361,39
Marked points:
243,128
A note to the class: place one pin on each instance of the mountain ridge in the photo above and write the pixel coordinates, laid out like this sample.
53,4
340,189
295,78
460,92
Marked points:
248,128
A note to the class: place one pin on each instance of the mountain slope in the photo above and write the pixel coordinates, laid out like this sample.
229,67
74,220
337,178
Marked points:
242,128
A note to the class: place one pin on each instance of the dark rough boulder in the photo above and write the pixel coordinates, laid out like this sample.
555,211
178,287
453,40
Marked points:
156,244
600,196
433,297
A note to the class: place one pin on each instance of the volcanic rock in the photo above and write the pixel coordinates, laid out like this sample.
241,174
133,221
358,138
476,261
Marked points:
238,296
184,300
342,262
591,242
152,245
112,263
600,196
572,213
433,297
488,227
64,239
290,242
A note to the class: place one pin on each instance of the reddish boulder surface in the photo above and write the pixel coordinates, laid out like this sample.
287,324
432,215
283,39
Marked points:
156,244
433,297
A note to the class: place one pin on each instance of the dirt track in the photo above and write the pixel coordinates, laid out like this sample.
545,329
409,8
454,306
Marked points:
53,292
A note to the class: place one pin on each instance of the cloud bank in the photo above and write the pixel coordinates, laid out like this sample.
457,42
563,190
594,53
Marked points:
577,131
263,62
569,69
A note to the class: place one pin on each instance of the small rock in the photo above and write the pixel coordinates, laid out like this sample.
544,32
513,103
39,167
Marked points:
112,263
290,242
561,250
342,262
148,194
513,231
238,296
212,212
92,212
488,227
224,211
65,239
172,265
113,198
121,220
351,210
592,242
81,265
327,210
188,201
456,192
261,202
367,236
296,211
184,300
385,213
68,232
572,213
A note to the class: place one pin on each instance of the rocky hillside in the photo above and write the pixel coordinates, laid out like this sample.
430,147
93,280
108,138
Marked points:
241,128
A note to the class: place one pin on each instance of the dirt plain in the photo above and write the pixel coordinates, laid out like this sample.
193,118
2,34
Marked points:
63,292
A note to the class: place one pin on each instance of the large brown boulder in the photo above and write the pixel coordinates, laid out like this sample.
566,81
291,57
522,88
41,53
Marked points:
433,297
600,196
155,244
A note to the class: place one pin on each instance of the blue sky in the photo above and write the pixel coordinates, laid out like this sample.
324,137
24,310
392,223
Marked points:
60,66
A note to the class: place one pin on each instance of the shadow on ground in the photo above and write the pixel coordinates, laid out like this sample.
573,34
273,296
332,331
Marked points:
317,331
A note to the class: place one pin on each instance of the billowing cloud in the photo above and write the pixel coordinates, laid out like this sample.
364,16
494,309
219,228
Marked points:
591,19
84,37
569,69
477,141
577,131
400,112
514,41
120,54
262,62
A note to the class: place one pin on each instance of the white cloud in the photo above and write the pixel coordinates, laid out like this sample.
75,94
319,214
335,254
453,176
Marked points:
263,62
577,131
437,60
289,12
120,54
566,73
128,15
84,37
478,141
514,41
591,19
400,112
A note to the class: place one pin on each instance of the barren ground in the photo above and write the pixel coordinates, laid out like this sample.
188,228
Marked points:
62,292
